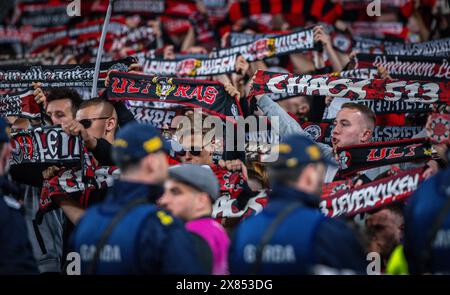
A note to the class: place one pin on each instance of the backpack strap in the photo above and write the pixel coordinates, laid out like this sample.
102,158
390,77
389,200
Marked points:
109,229
267,235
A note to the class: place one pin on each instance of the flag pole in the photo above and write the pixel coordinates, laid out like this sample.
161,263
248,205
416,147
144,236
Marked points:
100,49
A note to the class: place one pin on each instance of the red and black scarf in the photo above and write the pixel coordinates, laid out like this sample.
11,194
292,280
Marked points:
440,47
208,95
391,90
278,45
76,183
21,104
323,132
353,159
371,196
309,10
190,67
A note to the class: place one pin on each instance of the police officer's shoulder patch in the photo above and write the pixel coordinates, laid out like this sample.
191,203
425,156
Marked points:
164,218
12,203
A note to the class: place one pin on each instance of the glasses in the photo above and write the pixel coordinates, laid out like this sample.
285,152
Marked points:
87,123
194,151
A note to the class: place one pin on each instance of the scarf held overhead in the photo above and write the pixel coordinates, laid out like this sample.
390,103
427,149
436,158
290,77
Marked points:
21,104
208,95
298,41
390,90
190,67
49,145
59,75
408,67
323,132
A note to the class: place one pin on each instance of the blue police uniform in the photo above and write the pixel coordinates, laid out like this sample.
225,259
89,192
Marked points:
16,256
420,214
303,238
146,241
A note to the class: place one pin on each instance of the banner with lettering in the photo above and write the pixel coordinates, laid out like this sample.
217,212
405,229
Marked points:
408,67
373,195
49,145
21,76
190,67
359,157
440,47
323,132
278,45
390,90
208,95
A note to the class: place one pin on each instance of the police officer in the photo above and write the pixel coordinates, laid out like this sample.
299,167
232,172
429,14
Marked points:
128,234
427,226
291,236
16,256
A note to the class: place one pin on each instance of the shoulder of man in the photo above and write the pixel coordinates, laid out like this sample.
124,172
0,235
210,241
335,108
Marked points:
337,246
11,203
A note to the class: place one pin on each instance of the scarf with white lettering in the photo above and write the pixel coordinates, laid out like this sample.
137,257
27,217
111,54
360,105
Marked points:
390,90
408,67
21,104
45,145
372,195
298,41
208,95
383,107
364,73
76,183
322,132
440,47
190,67
21,76
353,159
236,38
34,150
151,113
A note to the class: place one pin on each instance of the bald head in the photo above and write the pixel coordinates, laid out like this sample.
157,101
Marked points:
102,117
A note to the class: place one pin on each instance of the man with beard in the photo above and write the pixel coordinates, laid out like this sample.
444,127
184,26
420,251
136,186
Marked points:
290,236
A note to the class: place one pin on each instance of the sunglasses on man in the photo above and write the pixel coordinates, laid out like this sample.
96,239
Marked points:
87,123
194,151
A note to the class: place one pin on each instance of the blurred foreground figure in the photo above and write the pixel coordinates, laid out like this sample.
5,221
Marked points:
291,236
128,234
427,226
189,194
16,256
